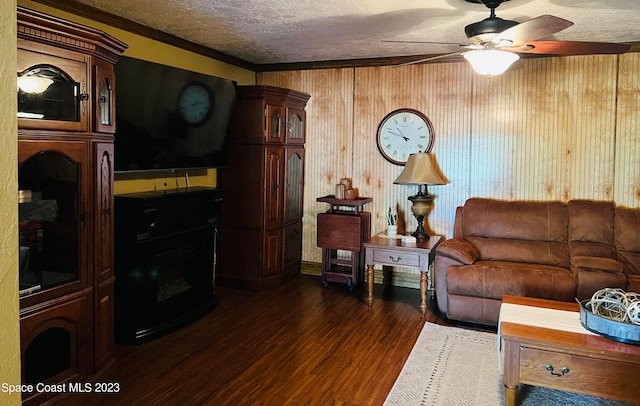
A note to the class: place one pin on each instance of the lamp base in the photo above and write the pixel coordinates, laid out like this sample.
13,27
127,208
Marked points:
420,236
421,206
420,233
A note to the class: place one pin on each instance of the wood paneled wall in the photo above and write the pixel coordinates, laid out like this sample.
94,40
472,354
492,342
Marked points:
548,129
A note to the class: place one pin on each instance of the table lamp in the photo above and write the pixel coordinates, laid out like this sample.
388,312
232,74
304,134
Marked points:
421,169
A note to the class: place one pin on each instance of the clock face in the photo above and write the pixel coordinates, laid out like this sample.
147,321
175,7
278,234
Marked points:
195,103
402,133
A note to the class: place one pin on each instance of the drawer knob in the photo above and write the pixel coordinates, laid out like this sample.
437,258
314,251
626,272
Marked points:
396,259
563,371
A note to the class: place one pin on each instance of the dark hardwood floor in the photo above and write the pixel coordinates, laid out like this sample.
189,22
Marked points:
299,344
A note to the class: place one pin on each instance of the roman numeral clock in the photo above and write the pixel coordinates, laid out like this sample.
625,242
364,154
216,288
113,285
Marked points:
402,133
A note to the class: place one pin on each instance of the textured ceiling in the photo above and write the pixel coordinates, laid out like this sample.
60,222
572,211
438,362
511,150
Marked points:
288,31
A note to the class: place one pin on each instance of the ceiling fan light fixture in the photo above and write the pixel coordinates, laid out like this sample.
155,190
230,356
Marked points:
490,62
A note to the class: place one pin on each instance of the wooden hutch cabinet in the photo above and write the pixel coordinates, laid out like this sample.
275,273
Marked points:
66,125
263,186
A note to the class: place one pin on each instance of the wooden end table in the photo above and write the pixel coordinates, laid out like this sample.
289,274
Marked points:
392,252
563,357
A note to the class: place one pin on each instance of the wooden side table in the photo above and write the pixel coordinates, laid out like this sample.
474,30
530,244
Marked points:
392,252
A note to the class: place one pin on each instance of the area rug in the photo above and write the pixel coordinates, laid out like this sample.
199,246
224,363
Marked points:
456,366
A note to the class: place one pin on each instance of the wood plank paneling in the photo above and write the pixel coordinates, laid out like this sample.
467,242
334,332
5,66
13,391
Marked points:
545,132
329,140
549,129
627,158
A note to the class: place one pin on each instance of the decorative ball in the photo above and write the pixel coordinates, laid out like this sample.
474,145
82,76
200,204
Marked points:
633,312
632,297
609,303
616,304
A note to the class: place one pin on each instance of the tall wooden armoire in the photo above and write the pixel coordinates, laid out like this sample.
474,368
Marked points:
261,244
66,125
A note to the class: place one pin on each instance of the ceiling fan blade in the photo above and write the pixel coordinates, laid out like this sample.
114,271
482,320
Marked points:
571,48
428,59
532,30
422,42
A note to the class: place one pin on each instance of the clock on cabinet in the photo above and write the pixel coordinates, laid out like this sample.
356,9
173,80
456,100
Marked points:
402,133
195,103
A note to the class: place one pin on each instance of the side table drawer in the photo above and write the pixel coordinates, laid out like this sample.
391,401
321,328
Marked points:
611,379
395,258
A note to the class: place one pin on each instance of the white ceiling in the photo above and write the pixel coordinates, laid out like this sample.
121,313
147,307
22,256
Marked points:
288,31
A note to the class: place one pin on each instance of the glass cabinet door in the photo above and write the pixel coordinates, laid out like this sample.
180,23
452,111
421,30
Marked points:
294,183
295,126
45,92
52,218
105,103
272,183
52,91
274,118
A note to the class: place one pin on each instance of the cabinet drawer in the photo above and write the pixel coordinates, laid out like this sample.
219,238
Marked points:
396,258
611,379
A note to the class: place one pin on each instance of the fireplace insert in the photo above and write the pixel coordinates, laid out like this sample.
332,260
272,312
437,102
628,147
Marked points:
165,260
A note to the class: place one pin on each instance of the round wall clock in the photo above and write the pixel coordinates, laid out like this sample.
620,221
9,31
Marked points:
195,103
402,133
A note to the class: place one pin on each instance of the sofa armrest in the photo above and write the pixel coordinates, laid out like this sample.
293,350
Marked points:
459,250
587,263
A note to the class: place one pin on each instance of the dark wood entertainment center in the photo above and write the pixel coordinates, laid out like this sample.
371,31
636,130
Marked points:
66,122
165,246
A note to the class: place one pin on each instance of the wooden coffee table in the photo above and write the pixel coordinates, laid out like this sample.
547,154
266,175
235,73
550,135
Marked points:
543,346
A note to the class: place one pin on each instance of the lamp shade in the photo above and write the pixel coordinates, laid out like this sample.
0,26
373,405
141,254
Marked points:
421,169
490,61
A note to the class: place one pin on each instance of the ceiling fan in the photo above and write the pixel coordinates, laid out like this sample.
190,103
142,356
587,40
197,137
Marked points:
495,43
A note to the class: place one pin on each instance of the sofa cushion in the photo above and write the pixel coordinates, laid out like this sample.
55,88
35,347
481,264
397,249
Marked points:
591,228
633,283
532,252
596,264
517,231
590,220
515,220
627,239
493,279
589,282
630,261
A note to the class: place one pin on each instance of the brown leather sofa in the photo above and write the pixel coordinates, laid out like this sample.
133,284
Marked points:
544,249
